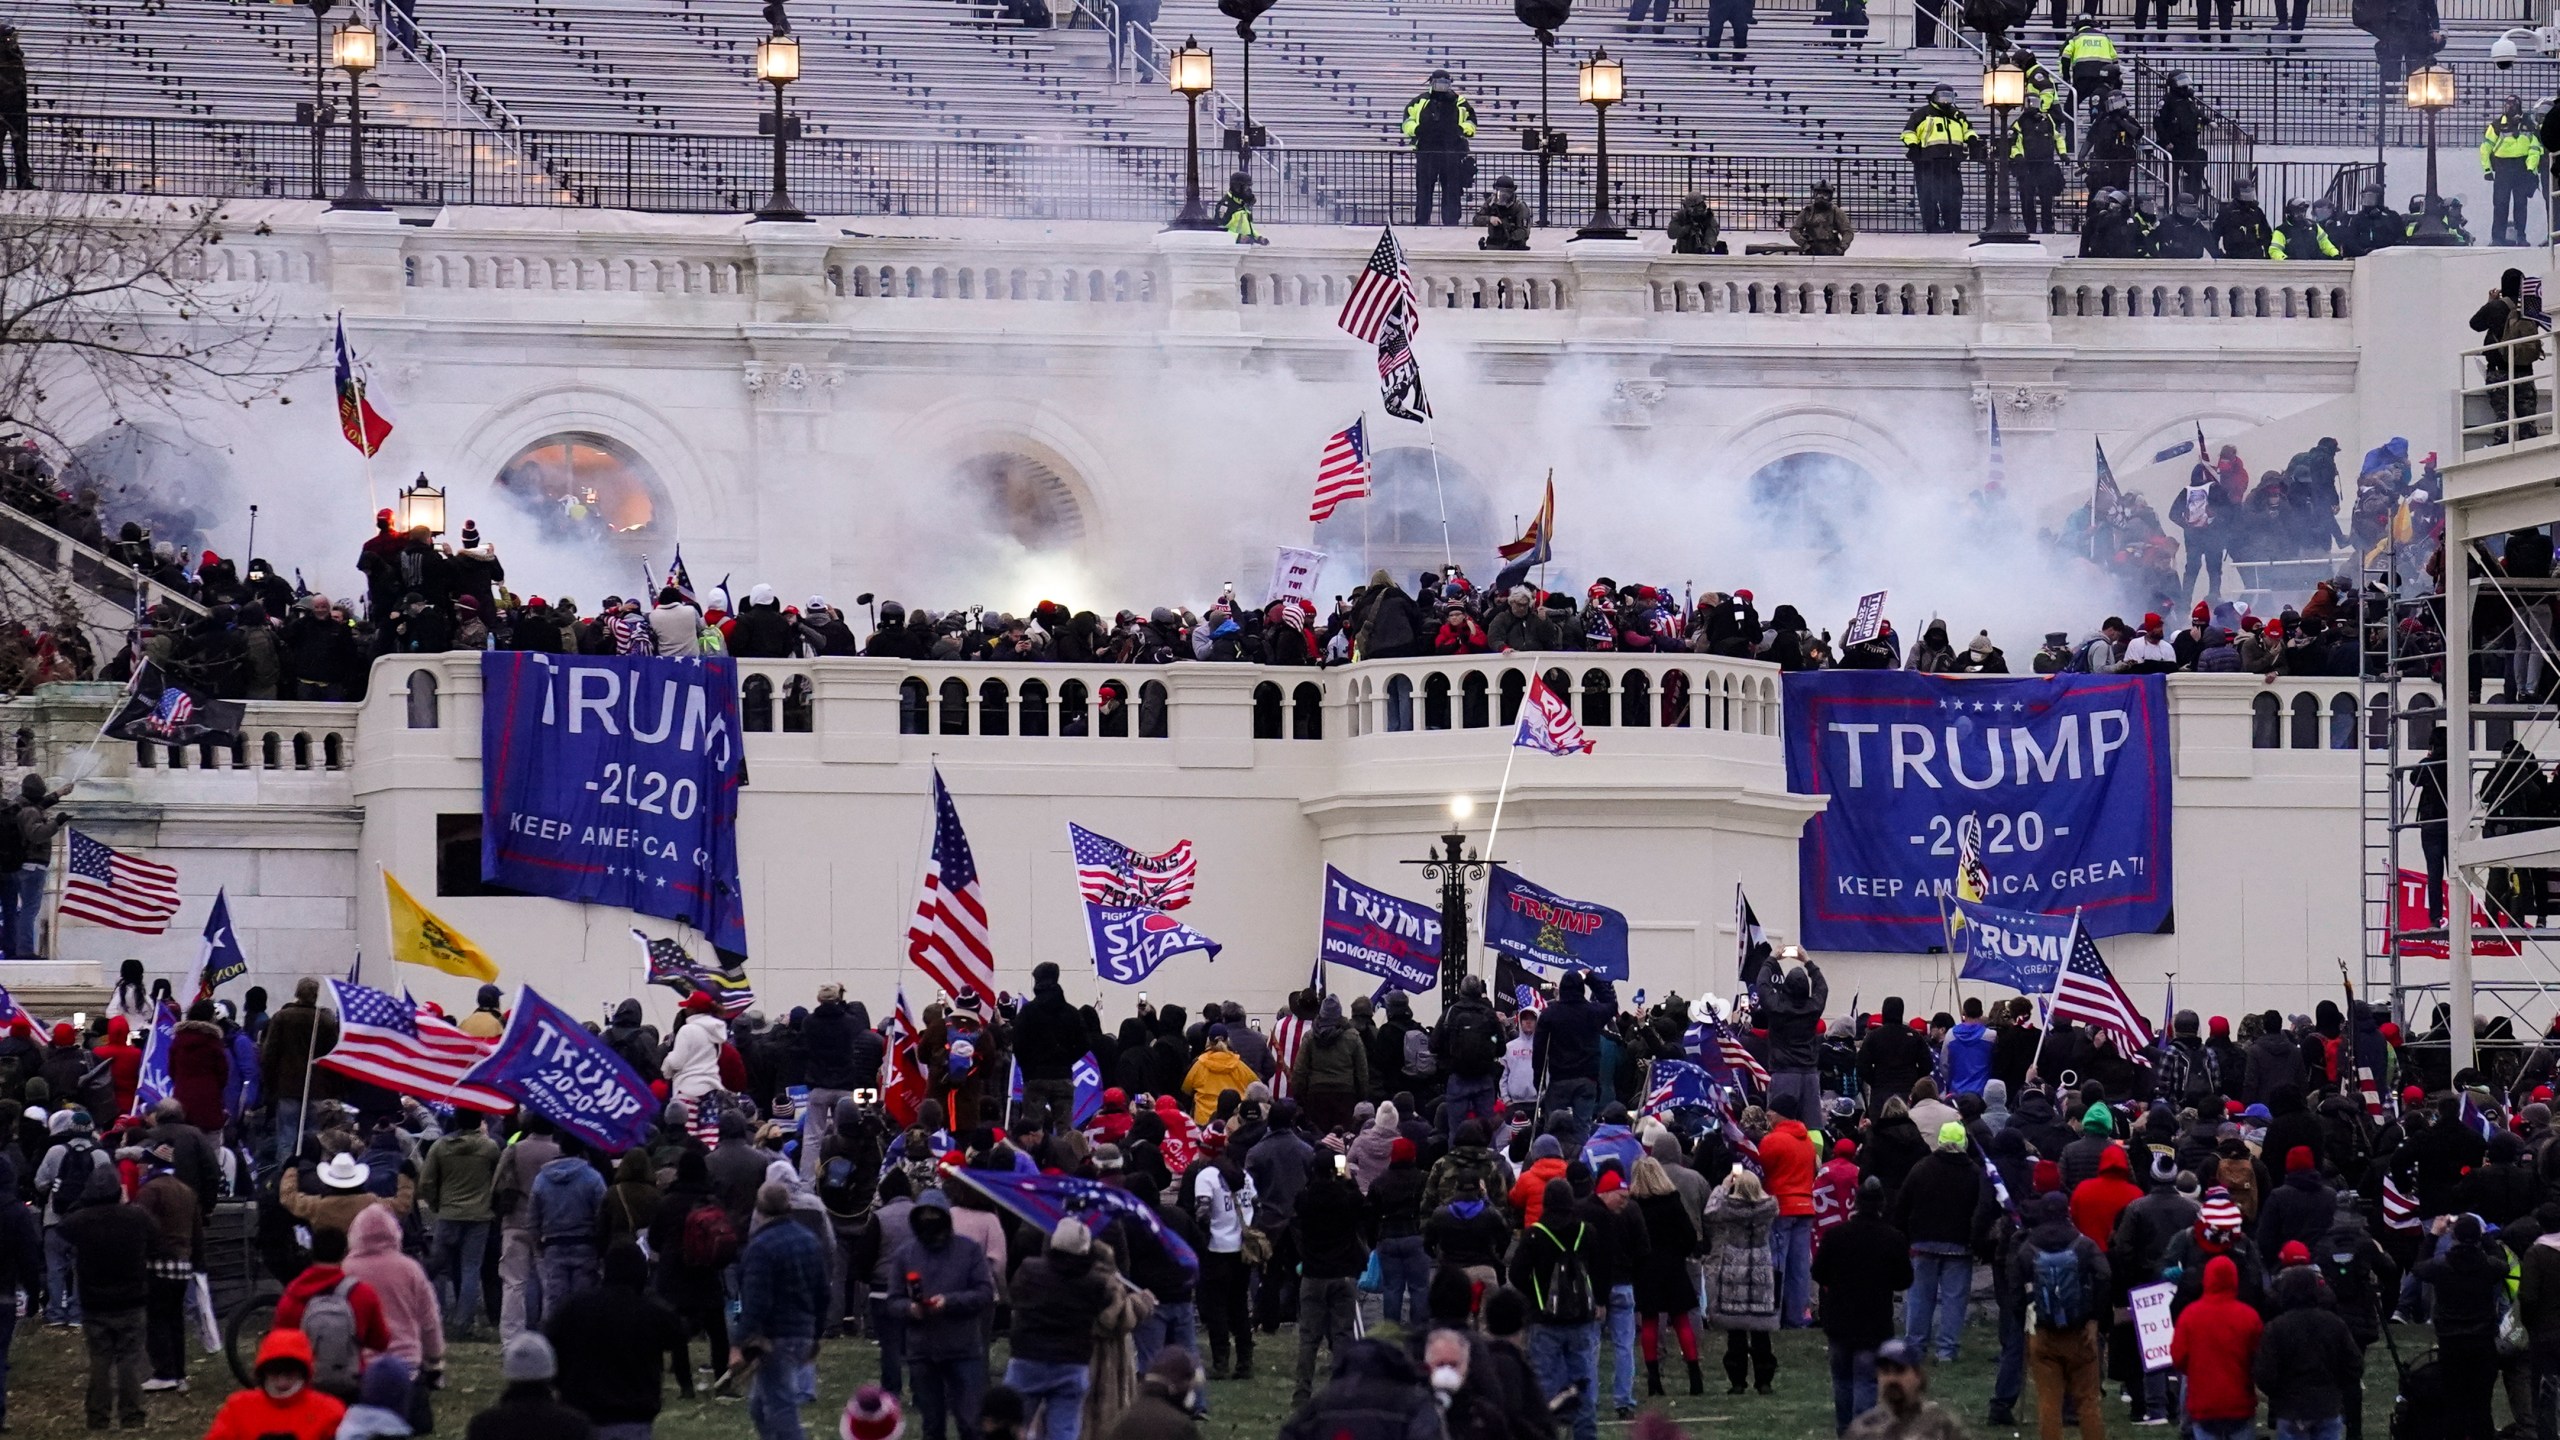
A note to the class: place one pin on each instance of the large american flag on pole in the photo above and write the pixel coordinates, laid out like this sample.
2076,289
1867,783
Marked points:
1343,472
2086,991
948,938
1384,286
388,1040
1110,873
107,887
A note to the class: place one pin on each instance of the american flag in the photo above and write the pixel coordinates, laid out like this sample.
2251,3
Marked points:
108,887
2399,1207
387,1040
948,938
176,707
2371,1091
1735,1056
1110,873
1385,286
1289,1035
1399,374
1343,473
2086,991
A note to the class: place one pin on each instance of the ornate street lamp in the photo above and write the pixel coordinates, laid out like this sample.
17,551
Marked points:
2430,90
420,504
777,65
1453,865
1191,72
355,49
1603,84
1545,18
2004,89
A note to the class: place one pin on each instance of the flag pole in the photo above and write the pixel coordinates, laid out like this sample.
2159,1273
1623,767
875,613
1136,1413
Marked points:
1494,831
2069,944
1431,428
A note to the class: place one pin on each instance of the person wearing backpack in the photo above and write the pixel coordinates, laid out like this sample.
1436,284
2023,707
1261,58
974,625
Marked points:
1552,1268
1470,1045
689,1236
62,1178
339,1314
2065,1278
111,1239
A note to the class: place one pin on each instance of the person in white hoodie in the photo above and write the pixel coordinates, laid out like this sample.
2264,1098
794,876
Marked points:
1519,1063
676,624
692,1066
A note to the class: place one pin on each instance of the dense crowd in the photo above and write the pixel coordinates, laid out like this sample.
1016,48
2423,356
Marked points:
1538,1219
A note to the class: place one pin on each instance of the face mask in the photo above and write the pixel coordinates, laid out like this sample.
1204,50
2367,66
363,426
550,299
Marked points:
1446,1379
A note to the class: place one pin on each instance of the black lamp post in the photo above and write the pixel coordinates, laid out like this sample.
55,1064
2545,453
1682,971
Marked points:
1603,84
2430,90
1251,137
777,65
1191,72
1545,17
2004,89
355,49
1453,865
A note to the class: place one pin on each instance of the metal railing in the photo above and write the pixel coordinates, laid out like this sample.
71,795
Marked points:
2501,405
2282,100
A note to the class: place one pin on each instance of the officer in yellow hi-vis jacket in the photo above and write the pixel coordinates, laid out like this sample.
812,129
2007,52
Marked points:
1439,122
2300,237
2511,161
1938,138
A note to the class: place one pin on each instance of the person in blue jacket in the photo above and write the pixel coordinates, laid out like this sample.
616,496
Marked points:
1968,1052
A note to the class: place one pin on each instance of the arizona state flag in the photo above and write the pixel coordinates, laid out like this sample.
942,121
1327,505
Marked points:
419,938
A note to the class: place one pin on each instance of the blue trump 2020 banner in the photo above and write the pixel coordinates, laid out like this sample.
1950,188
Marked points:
548,1063
2016,948
1384,935
2064,779
1542,927
613,780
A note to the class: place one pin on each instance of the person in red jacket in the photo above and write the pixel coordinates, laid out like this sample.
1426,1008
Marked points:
124,1061
200,1069
283,1401
2102,1197
328,1250
2214,1346
1835,1191
1788,1158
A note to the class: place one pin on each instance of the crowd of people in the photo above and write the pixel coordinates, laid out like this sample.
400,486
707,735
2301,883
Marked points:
1539,1220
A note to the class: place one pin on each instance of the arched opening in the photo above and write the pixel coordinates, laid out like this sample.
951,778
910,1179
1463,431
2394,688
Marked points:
2377,724
1635,698
1071,711
995,711
799,705
1266,711
1474,706
2306,722
1000,505
301,752
1595,697
915,704
1435,702
1035,708
25,747
1805,506
1397,529
755,703
1306,711
270,751
955,706
1675,699
2342,721
1113,701
1399,702
422,700
333,751
2266,722
581,488
1152,705
1514,687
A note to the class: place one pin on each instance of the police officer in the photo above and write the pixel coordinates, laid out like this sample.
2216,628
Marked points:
2241,231
2038,145
2115,142
1235,210
2089,58
2179,127
1693,229
2300,237
2107,231
2182,236
2374,226
1504,218
1439,122
1821,227
1937,138
2510,160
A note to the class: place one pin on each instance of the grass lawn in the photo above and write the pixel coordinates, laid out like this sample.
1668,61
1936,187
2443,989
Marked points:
49,1372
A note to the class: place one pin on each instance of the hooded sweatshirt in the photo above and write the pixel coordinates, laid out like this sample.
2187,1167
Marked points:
1968,1054
307,1415
2099,1200
2215,1345
400,1287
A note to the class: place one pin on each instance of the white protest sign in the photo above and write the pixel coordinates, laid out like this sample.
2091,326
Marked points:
2151,1321
1293,574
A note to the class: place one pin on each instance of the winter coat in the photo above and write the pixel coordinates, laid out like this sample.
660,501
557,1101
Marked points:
1742,1285
526,1411
2308,1365
1968,1051
1862,1265
111,1242
782,1282
310,1414
693,1062
295,1035
1662,1284
2273,1060
400,1286
2300,1209
1937,1201
2468,1284
1786,1155
459,1179
2214,1346
614,1342
956,1272
2189,1256
1332,1060
338,1209
1528,1195
199,1071
1057,1297
1792,1014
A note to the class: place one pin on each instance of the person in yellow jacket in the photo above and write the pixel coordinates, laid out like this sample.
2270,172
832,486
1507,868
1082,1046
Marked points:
1440,122
1218,1070
2089,58
2511,161
1235,210
1938,138
2300,237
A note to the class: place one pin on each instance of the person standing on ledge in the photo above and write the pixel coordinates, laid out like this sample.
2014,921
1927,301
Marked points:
1440,122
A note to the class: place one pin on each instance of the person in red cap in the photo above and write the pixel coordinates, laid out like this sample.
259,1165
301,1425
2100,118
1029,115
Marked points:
2190,642
2148,653
2214,1346
2302,1207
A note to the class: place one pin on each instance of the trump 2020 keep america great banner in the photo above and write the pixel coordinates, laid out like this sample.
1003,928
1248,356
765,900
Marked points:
2060,783
613,780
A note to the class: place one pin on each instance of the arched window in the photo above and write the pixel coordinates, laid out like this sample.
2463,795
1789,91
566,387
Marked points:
1416,507
582,489
915,706
2422,720
1399,702
422,700
301,751
1306,711
1113,701
333,751
1595,697
1266,711
2266,722
2306,722
1071,712
955,706
2342,721
1435,702
799,705
26,747
1514,686
1675,699
2377,723
755,703
270,751
1152,702
239,748
1635,698
995,708
1035,708
1474,702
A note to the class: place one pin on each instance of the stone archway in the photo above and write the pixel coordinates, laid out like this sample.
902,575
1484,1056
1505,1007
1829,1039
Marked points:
582,488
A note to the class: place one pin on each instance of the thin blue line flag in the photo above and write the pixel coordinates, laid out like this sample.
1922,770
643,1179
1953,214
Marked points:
1041,1201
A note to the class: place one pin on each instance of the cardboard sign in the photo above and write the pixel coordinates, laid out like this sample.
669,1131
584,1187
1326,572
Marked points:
2152,1323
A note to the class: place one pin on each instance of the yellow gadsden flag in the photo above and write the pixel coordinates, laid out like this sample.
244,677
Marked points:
419,938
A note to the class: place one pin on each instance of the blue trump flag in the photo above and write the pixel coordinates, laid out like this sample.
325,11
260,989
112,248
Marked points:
1613,1144
2065,776
1087,1078
1542,927
613,780
1372,931
1041,1201
153,1085
1130,941
548,1063
2016,948
1679,1085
